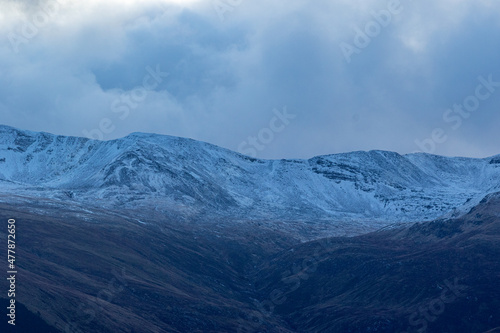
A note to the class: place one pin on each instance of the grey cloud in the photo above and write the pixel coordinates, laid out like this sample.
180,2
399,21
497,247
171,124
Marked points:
225,78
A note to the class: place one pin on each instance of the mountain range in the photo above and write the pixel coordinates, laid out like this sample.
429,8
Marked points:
153,233
341,194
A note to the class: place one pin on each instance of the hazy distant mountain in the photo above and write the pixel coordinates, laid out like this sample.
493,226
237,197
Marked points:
361,190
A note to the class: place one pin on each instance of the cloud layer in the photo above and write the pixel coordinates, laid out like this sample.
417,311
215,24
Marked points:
353,75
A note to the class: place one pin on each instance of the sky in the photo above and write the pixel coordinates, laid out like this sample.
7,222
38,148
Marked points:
270,79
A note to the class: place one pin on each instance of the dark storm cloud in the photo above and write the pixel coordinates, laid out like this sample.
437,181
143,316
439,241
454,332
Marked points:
225,77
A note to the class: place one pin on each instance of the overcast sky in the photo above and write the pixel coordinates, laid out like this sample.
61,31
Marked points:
273,79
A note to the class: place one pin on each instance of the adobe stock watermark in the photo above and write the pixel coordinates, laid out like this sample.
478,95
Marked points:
456,115
88,310
429,312
253,144
127,102
32,27
371,30
221,7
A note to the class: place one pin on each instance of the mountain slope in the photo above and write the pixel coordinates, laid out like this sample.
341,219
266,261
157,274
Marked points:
169,174
153,233
122,275
439,276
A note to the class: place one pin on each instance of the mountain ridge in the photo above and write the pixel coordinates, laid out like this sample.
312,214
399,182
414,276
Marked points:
168,235
169,174
496,157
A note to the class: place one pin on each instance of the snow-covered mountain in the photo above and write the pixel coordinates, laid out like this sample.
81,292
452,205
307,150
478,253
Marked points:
147,172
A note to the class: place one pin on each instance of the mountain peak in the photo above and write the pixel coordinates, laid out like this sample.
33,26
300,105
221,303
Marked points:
168,174
147,135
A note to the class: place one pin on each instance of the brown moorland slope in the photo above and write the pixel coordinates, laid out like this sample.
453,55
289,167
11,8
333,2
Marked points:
110,273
